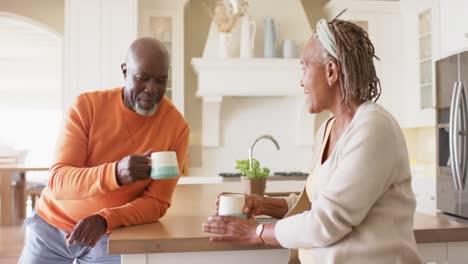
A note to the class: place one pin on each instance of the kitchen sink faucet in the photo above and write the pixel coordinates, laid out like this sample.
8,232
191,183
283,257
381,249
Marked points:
270,137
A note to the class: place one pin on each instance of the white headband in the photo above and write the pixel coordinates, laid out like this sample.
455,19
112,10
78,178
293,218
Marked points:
326,37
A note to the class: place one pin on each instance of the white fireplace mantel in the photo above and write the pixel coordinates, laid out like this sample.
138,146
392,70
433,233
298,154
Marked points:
256,77
247,77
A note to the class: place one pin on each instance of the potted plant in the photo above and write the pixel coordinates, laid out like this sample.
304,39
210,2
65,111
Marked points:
253,179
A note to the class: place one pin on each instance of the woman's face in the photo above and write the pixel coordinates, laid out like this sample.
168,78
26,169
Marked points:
315,80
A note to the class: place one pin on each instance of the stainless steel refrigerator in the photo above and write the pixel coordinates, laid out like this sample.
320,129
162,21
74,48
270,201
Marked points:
452,134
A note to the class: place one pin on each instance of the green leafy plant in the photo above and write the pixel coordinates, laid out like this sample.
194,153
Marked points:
256,172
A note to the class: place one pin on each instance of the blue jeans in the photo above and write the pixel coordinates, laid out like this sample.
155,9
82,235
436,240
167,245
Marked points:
45,244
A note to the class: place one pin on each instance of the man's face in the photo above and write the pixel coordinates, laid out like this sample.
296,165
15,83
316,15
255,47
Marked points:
145,82
314,78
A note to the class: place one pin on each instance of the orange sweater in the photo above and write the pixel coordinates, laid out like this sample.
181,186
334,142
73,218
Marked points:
99,131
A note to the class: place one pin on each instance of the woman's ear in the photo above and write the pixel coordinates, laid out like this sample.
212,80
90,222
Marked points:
333,72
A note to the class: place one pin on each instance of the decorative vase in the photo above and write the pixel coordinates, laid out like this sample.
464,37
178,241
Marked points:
270,37
248,28
224,45
256,186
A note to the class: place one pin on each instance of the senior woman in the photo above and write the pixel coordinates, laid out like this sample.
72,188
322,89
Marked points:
357,205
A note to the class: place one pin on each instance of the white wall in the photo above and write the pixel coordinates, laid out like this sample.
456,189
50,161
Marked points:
242,120
314,11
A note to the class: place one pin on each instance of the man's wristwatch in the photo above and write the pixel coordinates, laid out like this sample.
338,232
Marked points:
259,232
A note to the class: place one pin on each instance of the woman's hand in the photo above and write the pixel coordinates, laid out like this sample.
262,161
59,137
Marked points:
253,205
232,229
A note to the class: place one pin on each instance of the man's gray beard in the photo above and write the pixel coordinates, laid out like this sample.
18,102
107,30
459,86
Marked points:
144,112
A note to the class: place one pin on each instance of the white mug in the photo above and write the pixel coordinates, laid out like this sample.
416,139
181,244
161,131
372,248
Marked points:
232,204
164,165
289,49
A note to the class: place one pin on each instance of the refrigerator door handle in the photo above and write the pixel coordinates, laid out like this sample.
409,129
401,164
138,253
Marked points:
456,134
462,134
458,140
452,136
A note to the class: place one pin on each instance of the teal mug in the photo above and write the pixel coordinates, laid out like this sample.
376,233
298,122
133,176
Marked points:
164,165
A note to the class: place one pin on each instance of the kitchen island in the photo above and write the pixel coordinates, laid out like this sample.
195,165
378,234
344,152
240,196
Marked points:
178,237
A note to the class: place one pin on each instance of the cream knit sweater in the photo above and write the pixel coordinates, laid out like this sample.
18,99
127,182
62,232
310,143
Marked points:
362,201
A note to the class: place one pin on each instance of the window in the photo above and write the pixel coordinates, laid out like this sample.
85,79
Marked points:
30,88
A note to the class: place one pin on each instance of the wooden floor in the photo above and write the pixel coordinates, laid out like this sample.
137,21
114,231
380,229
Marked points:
11,243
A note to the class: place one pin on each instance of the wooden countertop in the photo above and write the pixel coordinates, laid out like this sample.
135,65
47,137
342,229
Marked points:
171,234
439,228
175,233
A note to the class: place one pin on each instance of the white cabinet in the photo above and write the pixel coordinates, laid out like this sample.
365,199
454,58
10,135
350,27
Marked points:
163,19
426,59
97,36
454,26
432,29
406,36
382,21
421,42
424,188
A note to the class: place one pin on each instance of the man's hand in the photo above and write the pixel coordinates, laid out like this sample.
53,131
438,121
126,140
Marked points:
87,231
133,168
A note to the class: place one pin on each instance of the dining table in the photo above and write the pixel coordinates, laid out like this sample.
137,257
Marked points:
6,173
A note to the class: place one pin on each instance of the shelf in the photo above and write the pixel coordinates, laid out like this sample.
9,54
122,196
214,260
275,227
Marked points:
426,85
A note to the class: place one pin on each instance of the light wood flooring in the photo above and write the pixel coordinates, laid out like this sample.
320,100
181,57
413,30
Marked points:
11,243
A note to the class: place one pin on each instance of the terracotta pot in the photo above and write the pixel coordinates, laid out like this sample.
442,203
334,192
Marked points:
256,186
